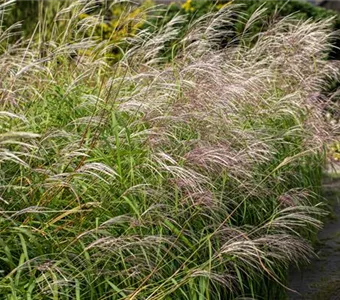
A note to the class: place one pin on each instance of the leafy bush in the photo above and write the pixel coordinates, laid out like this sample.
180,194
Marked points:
193,179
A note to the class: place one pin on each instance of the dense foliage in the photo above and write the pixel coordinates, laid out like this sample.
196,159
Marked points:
119,17
271,12
194,175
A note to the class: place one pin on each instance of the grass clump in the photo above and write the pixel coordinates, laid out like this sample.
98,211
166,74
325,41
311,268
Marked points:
196,178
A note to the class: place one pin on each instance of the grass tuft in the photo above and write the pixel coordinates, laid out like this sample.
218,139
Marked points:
191,178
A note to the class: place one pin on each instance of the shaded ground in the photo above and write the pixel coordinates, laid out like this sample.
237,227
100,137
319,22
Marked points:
321,279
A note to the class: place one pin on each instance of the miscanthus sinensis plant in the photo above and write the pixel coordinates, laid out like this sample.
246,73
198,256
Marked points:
192,179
